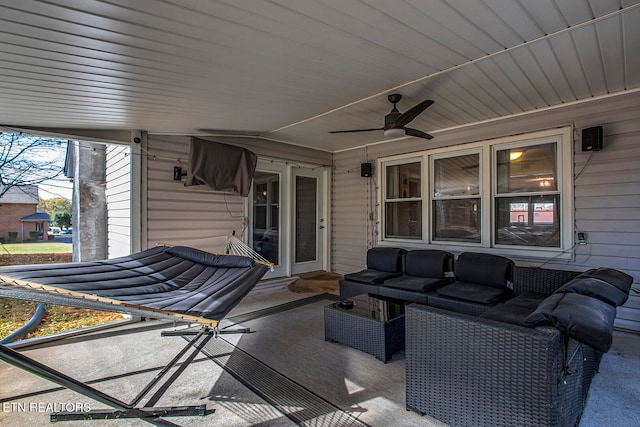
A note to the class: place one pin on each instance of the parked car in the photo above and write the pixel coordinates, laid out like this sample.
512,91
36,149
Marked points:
54,230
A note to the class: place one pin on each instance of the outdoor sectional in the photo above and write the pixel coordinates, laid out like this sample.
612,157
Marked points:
526,358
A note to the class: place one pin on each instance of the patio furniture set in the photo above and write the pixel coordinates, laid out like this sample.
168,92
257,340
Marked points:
487,342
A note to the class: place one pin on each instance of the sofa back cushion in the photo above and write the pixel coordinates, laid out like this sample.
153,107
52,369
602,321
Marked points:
428,263
595,288
484,269
385,259
614,277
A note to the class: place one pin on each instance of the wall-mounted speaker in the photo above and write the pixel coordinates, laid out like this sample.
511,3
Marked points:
365,169
592,139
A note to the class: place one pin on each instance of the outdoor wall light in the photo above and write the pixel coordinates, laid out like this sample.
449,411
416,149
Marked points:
178,174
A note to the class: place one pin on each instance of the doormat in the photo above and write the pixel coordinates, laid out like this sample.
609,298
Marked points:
317,282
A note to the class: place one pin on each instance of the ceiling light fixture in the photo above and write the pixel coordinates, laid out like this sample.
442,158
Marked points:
394,132
515,155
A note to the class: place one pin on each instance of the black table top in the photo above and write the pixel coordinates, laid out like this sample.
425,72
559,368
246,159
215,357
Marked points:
372,307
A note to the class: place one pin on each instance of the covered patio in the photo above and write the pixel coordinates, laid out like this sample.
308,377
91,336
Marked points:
493,127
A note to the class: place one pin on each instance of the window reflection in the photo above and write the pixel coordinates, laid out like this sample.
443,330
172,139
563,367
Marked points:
527,169
530,221
266,215
457,220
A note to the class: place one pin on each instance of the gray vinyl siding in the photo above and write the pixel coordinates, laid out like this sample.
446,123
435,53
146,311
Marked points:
118,193
352,228
197,216
606,192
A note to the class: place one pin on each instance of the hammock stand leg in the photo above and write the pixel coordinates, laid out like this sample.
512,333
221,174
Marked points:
182,333
121,409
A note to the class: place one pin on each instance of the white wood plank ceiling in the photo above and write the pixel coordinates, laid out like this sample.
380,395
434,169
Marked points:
292,70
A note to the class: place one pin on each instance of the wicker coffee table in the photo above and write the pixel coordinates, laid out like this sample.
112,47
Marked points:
374,325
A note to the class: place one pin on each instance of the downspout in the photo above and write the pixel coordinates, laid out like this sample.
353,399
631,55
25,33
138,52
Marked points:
30,326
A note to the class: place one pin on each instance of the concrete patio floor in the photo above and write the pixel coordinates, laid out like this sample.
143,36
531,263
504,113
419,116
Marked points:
123,360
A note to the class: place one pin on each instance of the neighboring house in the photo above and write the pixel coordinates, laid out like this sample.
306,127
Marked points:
38,223
19,214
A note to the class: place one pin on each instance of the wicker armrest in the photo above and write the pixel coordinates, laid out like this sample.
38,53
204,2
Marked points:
465,370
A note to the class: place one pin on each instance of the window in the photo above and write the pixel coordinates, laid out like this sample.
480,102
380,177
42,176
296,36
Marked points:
266,215
456,198
403,201
512,194
527,202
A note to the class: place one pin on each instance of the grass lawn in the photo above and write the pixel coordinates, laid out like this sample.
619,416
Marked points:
36,248
15,313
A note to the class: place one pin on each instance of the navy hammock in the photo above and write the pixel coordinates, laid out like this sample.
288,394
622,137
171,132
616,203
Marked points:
174,281
163,282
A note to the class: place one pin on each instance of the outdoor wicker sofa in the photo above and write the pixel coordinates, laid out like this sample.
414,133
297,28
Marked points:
528,361
525,358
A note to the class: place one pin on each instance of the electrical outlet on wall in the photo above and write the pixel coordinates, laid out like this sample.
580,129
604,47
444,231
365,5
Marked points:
582,238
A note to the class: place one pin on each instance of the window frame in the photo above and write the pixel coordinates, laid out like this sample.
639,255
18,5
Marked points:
487,150
382,197
432,197
559,188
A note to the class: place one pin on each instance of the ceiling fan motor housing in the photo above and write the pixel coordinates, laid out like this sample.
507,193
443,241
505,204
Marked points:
390,119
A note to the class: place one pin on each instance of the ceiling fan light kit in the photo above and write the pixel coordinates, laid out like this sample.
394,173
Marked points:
395,121
394,133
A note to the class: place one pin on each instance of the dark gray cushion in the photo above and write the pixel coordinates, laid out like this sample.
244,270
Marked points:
385,259
370,276
484,269
616,278
413,283
213,260
595,288
508,313
586,319
474,292
528,299
541,316
428,263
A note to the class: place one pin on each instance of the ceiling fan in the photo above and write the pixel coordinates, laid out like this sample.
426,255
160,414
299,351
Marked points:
395,121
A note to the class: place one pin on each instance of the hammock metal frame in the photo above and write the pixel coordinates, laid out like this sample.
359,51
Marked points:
204,272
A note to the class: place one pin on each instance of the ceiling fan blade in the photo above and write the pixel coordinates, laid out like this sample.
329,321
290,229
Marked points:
418,133
412,113
354,130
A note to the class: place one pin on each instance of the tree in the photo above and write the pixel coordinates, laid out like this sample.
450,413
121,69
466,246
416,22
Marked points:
51,206
62,219
29,160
